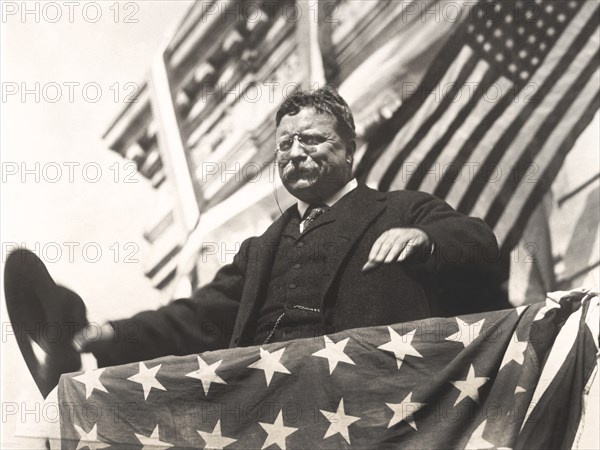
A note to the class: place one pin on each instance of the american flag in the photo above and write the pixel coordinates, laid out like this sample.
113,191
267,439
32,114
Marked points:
512,379
496,113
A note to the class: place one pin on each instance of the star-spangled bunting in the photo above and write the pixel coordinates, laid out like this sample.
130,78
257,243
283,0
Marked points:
277,432
515,352
549,306
215,439
339,422
404,411
153,441
89,439
334,353
469,387
466,333
91,380
147,378
269,362
477,441
370,406
400,346
207,374
519,390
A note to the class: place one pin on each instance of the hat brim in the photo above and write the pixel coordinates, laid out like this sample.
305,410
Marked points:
44,316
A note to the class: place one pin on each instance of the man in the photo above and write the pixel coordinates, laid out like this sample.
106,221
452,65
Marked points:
344,256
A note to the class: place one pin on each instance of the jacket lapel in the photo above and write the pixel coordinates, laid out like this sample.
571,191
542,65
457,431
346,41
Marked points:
258,269
353,215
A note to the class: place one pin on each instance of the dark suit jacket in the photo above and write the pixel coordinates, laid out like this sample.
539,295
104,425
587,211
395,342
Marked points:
222,313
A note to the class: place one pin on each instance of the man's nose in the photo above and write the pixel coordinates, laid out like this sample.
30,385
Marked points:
297,150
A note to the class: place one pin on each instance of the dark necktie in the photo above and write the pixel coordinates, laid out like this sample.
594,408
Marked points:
311,214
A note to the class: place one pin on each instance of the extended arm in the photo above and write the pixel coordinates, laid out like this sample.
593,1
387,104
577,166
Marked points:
201,323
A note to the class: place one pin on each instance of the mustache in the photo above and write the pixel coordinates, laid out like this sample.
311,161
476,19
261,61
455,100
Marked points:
292,171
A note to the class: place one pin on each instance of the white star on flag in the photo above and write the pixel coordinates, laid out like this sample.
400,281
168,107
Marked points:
466,333
469,387
400,346
215,440
277,432
147,378
207,374
404,411
334,353
550,305
519,389
515,352
90,439
269,362
476,441
91,379
153,441
339,422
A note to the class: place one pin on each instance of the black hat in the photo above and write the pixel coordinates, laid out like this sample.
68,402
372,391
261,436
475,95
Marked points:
44,317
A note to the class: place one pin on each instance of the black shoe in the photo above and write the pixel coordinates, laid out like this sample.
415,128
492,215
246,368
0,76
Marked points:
44,317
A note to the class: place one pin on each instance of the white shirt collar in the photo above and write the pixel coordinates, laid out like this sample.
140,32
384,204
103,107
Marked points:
350,186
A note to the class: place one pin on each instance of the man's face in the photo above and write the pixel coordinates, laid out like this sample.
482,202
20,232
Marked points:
313,159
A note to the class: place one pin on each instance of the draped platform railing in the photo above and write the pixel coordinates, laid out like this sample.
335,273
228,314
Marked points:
517,378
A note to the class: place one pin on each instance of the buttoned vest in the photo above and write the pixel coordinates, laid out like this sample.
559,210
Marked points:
302,267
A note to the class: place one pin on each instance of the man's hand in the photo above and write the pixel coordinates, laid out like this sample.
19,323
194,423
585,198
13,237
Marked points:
396,245
90,334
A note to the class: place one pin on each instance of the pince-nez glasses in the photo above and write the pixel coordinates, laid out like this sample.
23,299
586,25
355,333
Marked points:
307,141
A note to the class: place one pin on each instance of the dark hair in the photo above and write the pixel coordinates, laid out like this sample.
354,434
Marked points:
324,101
